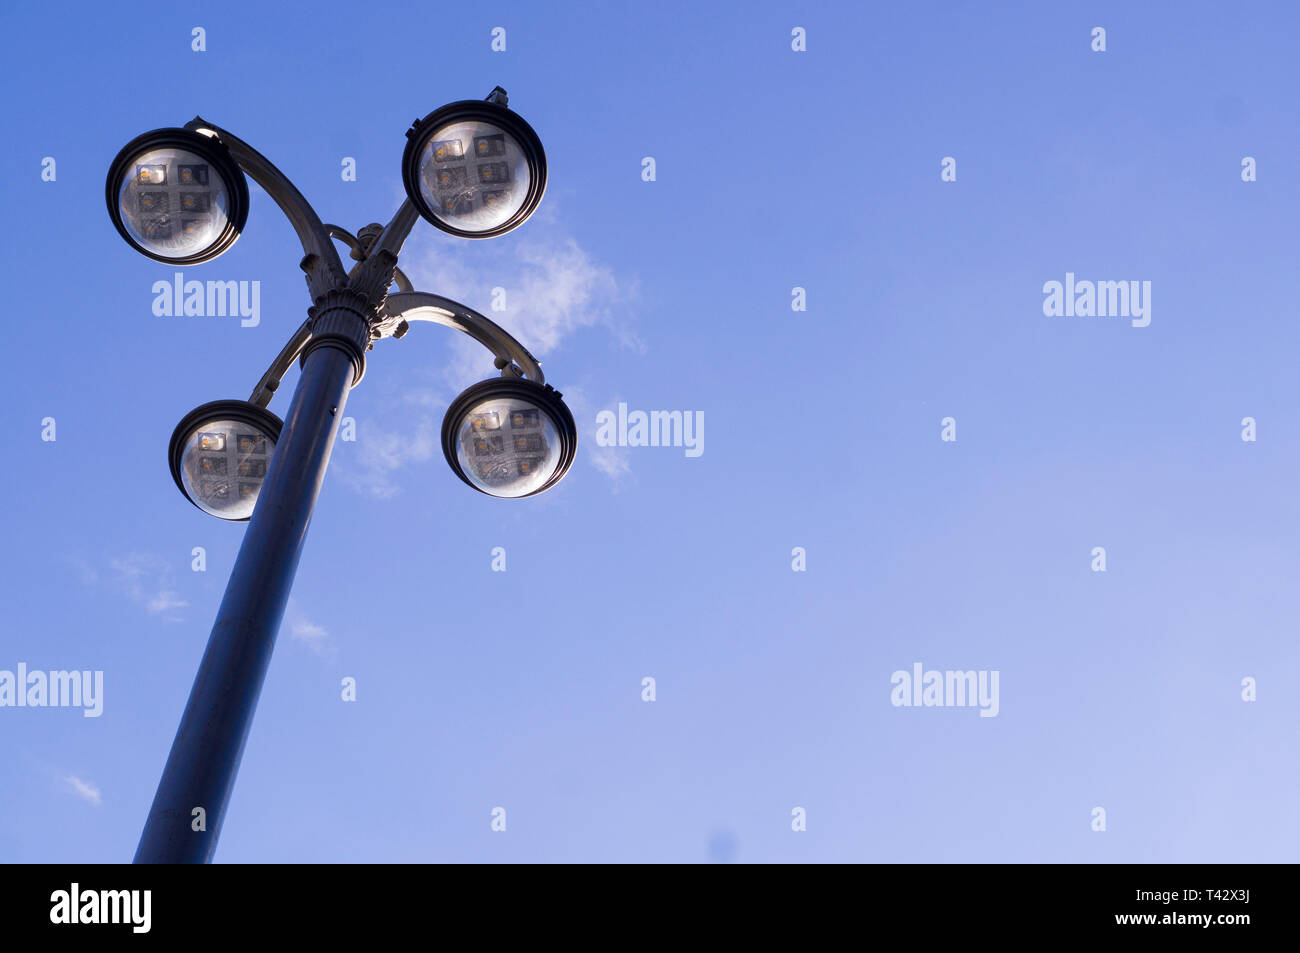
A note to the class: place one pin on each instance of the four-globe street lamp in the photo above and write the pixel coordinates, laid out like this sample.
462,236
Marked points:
473,169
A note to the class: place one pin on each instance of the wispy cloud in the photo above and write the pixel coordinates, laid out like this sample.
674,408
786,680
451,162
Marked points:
164,601
83,789
145,580
88,574
611,461
380,453
301,629
614,462
553,289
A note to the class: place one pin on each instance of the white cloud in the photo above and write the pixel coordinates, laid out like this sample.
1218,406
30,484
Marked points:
83,789
309,632
380,453
144,579
315,637
87,572
553,289
613,462
163,601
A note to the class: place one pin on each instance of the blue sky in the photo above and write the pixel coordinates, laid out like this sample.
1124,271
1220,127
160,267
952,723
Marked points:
775,169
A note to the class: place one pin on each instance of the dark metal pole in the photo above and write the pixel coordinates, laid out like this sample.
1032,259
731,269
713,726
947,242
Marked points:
200,771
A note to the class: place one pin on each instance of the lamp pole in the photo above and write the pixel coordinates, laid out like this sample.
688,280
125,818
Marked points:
190,805
350,310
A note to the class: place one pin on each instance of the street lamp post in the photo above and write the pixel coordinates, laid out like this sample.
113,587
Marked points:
473,169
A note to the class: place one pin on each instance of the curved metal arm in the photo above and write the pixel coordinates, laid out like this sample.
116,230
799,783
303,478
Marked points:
399,226
359,254
421,306
347,238
266,387
321,263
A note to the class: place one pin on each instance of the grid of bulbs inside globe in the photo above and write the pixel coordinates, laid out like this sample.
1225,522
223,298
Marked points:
473,175
173,202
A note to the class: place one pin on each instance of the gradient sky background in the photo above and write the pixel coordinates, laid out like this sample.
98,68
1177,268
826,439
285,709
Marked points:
822,429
